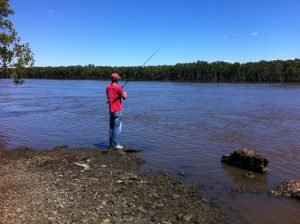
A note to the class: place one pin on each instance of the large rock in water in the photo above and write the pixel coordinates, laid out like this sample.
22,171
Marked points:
132,150
247,159
289,189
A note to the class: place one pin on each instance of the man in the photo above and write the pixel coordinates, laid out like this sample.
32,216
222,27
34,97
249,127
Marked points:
115,94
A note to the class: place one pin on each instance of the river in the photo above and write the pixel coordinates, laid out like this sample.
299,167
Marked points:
180,126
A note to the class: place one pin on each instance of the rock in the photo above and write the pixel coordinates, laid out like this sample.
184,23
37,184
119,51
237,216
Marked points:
116,221
204,200
55,213
249,175
60,147
121,151
289,189
83,165
135,197
141,209
105,221
187,218
132,150
19,210
238,189
247,159
104,151
51,220
179,216
175,196
181,173
133,177
140,221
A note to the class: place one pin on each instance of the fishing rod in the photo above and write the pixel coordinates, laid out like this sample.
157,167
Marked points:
143,65
151,56
124,84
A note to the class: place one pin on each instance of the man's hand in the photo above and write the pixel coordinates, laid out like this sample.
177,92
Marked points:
124,95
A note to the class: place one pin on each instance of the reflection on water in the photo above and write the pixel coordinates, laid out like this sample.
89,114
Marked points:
181,126
240,179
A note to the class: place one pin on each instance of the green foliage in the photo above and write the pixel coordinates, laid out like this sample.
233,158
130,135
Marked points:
200,71
14,56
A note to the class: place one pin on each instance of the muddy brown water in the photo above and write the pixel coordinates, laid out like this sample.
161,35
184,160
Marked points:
180,126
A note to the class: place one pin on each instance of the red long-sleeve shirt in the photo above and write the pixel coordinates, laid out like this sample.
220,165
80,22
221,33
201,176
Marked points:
114,94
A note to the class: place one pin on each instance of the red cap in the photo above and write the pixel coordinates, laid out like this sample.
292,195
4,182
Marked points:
115,76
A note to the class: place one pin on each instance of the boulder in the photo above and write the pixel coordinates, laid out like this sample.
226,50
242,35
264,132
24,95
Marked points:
60,147
132,150
247,159
289,189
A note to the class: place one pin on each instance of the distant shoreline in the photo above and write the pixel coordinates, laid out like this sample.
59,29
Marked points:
277,71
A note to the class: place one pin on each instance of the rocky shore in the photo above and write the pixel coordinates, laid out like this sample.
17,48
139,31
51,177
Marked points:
92,186
288,189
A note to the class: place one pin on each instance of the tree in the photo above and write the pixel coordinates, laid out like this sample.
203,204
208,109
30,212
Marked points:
14,56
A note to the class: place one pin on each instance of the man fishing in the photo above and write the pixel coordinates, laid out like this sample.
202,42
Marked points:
115,94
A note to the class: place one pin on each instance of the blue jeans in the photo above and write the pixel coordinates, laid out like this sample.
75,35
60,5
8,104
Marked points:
115,127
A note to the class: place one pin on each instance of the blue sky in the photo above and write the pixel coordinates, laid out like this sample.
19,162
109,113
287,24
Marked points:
127,32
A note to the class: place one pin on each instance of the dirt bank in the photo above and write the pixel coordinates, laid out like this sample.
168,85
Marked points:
89,186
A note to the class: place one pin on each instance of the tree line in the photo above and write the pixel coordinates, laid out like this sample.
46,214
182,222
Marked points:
16,60
201,71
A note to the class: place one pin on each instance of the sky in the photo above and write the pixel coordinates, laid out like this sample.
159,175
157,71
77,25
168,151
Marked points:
128,32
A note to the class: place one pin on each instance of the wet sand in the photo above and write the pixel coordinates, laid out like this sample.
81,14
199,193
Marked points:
88,185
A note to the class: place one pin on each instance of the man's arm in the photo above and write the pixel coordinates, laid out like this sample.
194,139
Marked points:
124,95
